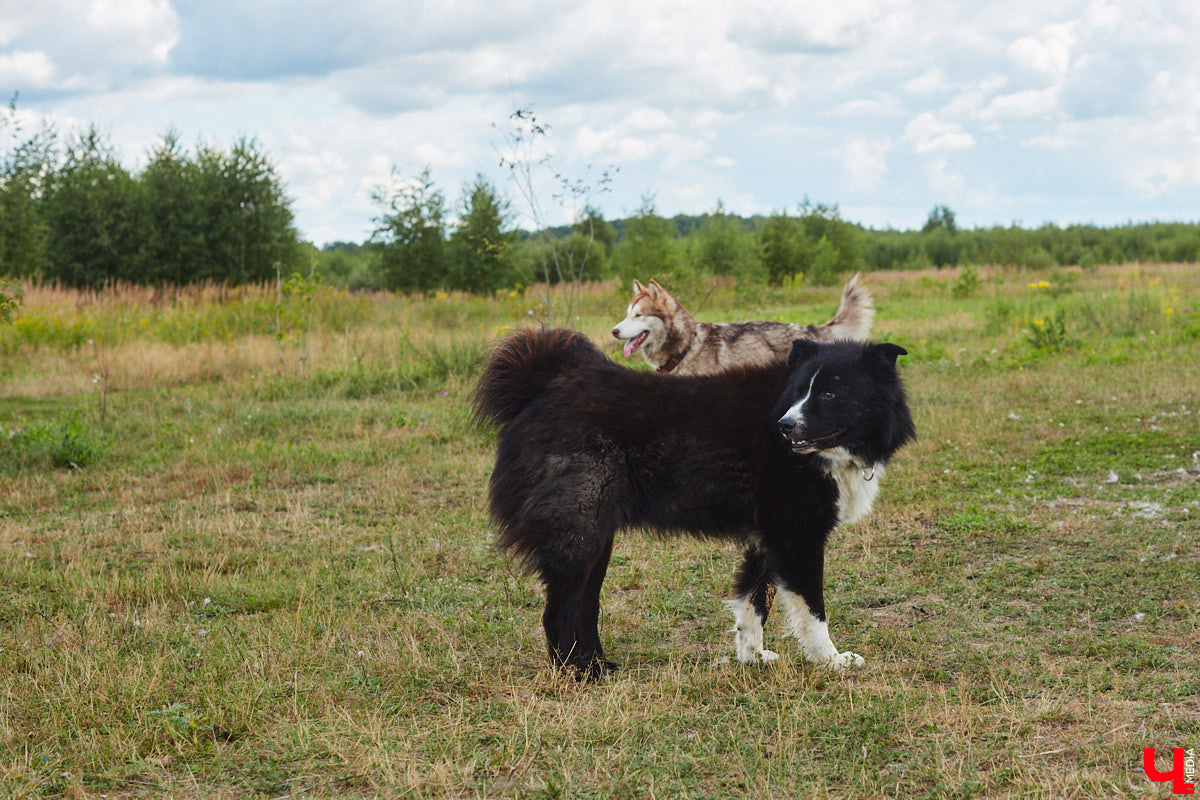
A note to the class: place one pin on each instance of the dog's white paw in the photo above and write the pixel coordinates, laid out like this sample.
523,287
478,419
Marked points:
768,656
757,656
843,661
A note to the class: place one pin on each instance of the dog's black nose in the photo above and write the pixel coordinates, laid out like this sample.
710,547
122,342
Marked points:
786,425
616,333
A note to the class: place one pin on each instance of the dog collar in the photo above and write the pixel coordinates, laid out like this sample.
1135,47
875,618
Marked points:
671,363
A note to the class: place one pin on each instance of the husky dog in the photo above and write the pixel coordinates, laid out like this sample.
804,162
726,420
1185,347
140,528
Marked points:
671,340
774,456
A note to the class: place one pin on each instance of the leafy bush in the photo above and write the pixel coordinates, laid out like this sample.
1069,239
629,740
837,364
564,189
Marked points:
10,300
65,443
1050,334
967,284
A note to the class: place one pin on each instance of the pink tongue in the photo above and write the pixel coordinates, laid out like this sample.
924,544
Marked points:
629,347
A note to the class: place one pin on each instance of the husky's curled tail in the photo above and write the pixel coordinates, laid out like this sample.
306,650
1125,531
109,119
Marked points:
854,317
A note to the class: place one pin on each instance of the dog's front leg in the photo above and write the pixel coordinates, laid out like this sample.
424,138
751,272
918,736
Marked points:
803,604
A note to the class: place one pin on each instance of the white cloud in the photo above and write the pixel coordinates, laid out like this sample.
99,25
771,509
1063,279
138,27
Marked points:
8,31
1155,176
880,105
26,69
818,26
865,163
1021,105
944,182
1048,52
1051,141
642,135
148,26
928,134
93,44
759,103
928,82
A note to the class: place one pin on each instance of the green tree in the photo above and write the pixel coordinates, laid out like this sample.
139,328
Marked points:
837,243
350,265
247,222
724,247
481,252
177,250
26,163
943,246
410,233
940,218
581,258
593,225
648,248
94,215
784,248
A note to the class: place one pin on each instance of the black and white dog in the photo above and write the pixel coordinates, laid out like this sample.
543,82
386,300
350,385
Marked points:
774,456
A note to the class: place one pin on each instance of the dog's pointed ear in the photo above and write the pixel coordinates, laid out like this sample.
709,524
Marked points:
654,287
886,352
637,287
801,349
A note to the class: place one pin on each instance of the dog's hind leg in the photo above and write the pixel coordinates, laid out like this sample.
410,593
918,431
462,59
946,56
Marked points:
750,607
573,579
587,635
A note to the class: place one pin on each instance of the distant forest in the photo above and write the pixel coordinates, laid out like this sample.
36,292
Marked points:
418,250
71,213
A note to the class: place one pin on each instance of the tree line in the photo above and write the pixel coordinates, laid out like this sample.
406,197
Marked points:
416,249
71,213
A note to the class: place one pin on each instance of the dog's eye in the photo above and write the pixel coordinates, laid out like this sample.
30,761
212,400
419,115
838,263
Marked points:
828,396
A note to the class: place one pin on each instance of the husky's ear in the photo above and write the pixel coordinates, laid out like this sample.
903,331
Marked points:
654,287
637,287
886,352
801,349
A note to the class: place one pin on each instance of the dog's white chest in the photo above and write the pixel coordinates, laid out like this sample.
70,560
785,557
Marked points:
857,486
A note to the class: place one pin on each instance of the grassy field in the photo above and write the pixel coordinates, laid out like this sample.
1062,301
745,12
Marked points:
244,552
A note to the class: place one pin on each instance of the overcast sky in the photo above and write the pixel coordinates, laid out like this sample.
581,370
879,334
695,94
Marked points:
1013,111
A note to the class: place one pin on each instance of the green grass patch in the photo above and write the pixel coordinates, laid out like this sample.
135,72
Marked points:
67,442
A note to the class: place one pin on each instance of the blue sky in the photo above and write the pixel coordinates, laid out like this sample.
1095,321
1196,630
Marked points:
1015,111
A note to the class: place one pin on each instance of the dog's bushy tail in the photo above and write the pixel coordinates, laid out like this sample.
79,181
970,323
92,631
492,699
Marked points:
521,367
854,317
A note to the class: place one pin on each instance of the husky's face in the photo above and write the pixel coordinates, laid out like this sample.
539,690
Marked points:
646,319
840,395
